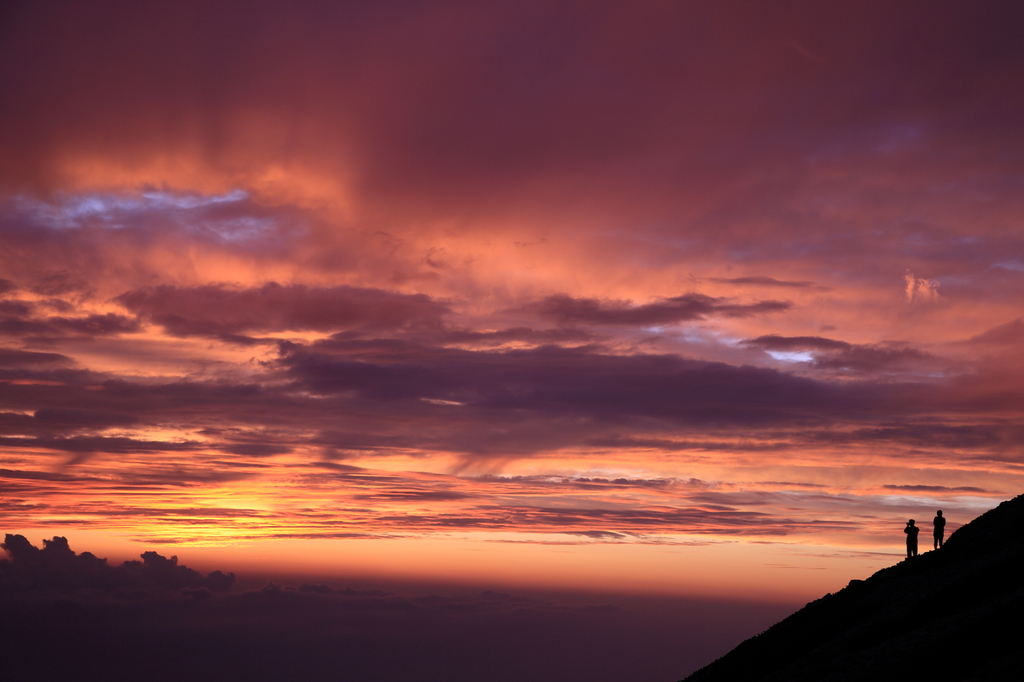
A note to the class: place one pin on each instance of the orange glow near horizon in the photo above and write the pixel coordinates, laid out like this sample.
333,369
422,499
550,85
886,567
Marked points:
684,566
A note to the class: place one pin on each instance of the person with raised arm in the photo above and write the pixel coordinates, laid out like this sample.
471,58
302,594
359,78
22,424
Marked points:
911,530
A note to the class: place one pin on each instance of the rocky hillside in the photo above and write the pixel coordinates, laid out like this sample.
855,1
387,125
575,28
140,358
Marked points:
952,614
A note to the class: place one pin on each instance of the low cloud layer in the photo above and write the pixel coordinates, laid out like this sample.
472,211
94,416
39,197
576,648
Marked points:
160,616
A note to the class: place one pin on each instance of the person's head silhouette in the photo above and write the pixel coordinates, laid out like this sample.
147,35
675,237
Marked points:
938,513
910,522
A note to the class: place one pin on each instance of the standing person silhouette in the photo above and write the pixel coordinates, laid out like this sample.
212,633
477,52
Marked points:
911,530
939,522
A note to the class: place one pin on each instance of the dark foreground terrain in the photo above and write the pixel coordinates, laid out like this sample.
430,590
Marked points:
952,614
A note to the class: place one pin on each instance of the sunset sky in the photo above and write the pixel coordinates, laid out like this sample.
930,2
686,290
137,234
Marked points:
668,297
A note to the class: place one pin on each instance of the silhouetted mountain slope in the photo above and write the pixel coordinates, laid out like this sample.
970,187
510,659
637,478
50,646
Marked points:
952,614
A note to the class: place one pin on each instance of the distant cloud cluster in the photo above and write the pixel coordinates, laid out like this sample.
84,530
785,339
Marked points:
920,290
57,568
